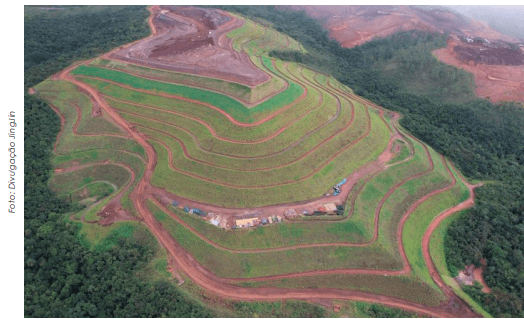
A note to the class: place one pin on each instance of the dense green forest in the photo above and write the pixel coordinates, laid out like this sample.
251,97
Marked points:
485,140
53,39
62,277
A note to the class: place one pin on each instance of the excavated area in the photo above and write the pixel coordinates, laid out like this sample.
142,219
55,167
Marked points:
192,40
498,82
480,50
355,25
494,58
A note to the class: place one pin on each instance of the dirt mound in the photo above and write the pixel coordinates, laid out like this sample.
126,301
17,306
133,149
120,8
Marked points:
205,21
190,40
112,213
493,52
493,56
180,259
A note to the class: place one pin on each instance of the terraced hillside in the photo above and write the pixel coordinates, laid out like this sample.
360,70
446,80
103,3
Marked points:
228,131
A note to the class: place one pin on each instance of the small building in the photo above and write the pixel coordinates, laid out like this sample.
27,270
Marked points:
264,221
246,222
290,213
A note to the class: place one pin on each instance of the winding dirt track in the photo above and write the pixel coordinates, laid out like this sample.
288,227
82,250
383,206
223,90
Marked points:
75,126
293,247
181,98
406,269
220,286
62,126
434,224
115,201
202,277
212,130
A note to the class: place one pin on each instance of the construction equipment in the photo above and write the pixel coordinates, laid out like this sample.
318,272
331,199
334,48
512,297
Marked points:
341,183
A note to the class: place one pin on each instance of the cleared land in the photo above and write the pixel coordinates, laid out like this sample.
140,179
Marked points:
261,137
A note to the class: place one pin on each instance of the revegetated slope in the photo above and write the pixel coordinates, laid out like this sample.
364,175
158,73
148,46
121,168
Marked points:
215,139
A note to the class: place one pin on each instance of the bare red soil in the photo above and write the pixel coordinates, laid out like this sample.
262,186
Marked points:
191,40
356,24
496,82
477,273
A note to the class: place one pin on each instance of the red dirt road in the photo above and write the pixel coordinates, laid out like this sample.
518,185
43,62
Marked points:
434,224
212,130
351,182
112,211
207,280
219,110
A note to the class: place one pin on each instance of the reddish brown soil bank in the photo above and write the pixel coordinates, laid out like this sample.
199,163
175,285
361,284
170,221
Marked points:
496,82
